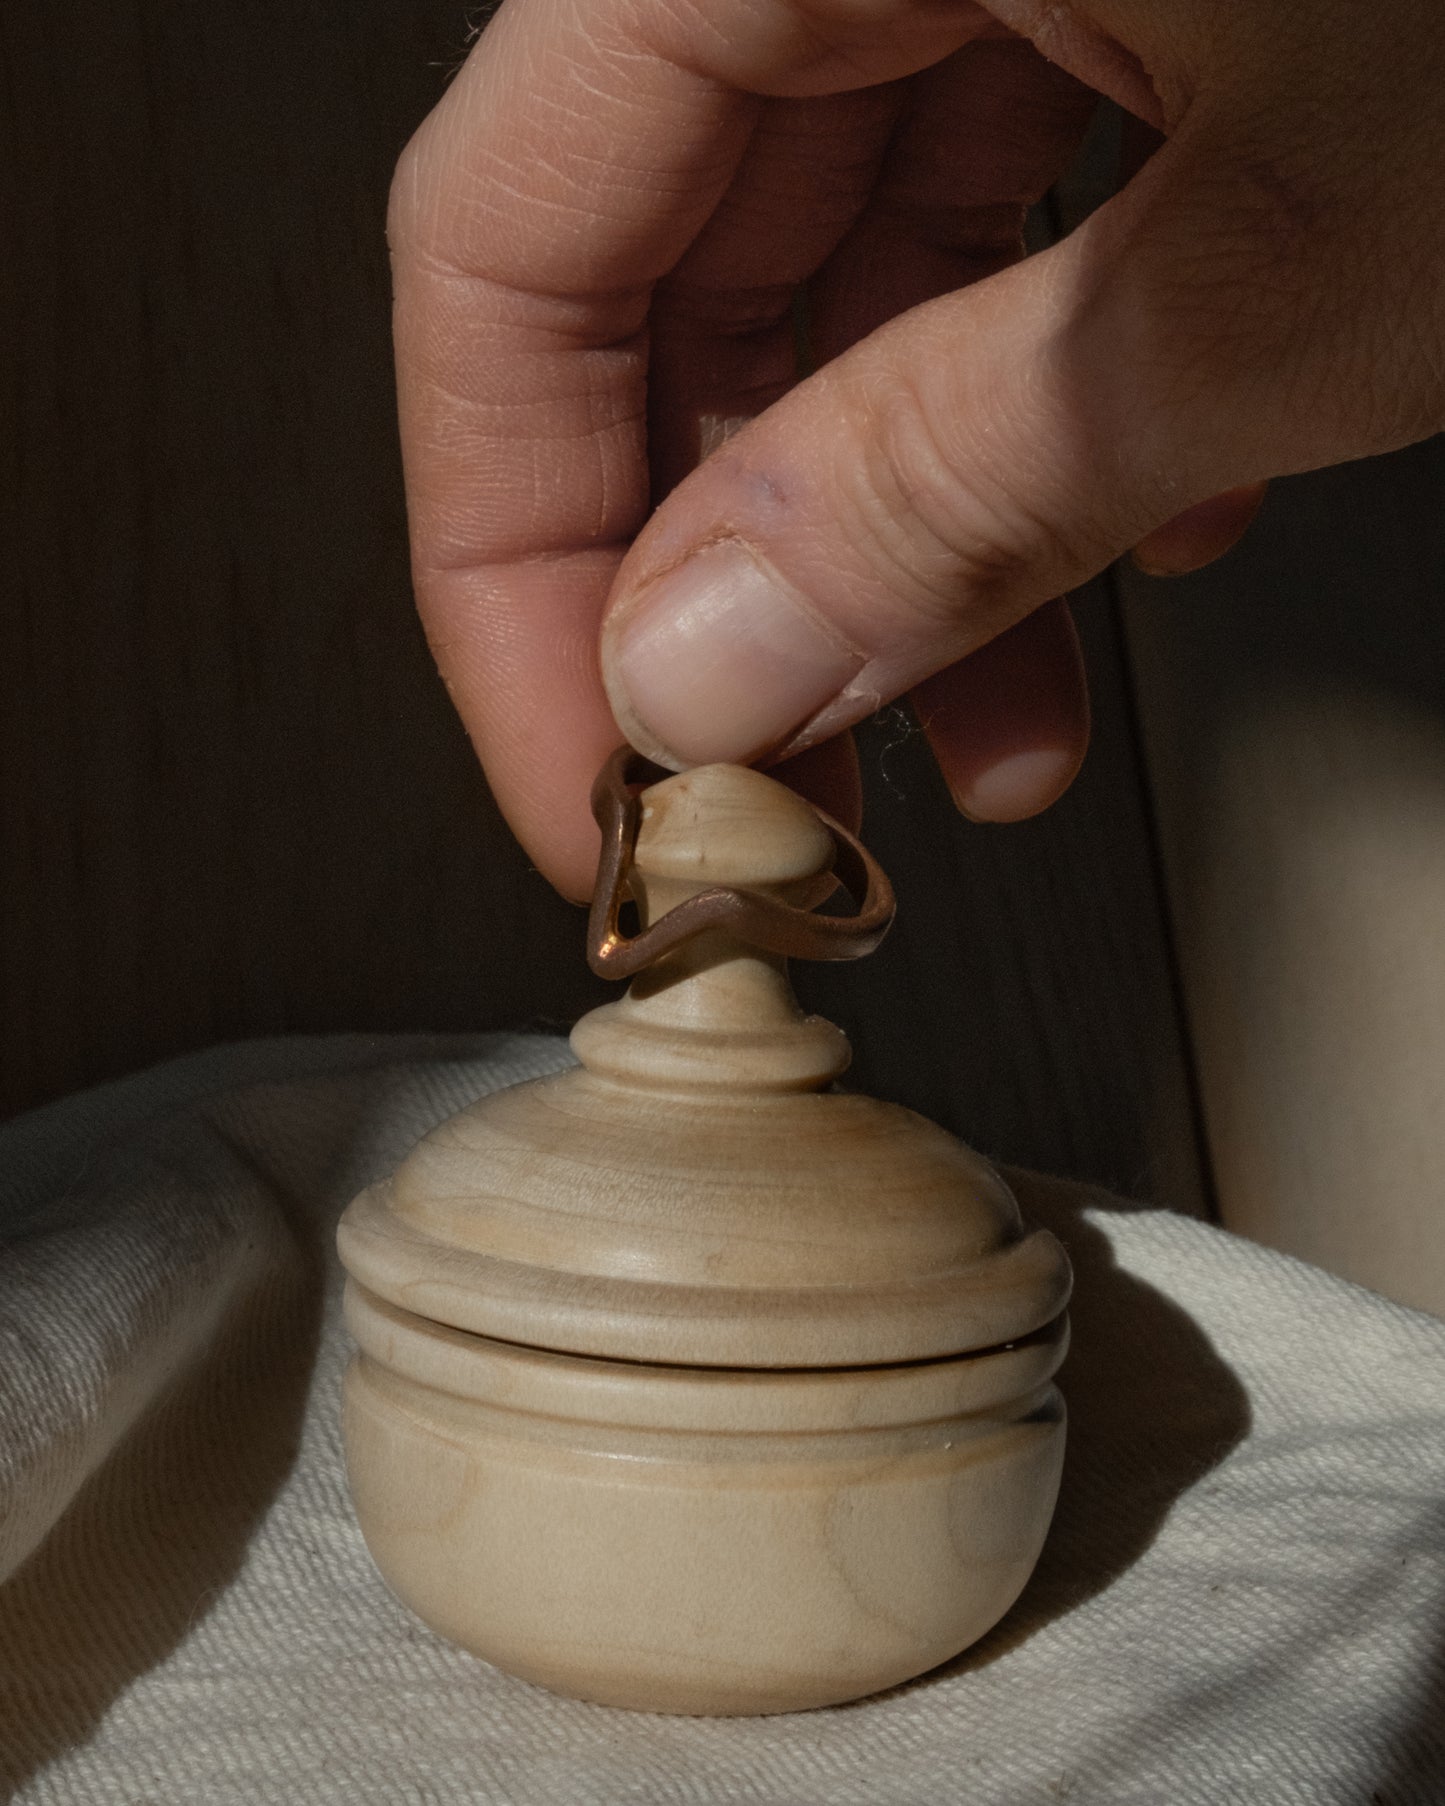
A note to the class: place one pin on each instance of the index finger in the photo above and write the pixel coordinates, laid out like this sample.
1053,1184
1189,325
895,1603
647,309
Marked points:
579,152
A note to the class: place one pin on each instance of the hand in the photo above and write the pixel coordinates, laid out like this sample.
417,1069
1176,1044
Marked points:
598,238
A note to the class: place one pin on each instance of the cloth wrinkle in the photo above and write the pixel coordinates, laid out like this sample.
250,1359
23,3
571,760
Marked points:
1242,1598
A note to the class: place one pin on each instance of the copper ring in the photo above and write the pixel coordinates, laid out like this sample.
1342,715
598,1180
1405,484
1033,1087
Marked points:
751,916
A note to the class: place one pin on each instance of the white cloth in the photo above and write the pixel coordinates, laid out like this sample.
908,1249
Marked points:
1243,1598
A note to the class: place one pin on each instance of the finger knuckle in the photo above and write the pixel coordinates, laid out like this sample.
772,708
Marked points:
967,538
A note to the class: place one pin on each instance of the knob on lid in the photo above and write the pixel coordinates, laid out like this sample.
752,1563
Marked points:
729,825
692,1194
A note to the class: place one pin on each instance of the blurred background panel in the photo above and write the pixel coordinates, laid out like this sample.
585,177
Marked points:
1293,705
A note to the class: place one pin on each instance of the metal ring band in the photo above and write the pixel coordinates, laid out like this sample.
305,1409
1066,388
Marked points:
750,916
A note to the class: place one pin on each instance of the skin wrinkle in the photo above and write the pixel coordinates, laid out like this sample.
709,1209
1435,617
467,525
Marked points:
509,555
503,647
505,641
488,289
693,23
482,584
489,419
976,561
989,540
485,535
825,53
618,170
462,435
579,318
1197,383
733,313
820,199
547,381
699,186
925,584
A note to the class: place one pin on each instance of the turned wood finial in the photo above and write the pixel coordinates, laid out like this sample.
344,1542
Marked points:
706,827
729,825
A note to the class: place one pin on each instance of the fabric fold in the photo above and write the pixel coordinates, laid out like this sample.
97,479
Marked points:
1243,1596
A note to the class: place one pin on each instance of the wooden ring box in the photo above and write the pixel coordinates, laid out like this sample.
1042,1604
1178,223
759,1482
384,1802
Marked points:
687,1381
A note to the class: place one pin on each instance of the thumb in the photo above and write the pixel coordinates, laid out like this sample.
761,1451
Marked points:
974,458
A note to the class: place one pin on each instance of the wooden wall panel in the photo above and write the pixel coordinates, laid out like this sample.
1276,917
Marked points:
233,798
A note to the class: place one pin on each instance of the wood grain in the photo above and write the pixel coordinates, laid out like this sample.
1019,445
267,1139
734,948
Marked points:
686,1381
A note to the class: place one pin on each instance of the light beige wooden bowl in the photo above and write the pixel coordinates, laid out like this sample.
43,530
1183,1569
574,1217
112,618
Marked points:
685,1381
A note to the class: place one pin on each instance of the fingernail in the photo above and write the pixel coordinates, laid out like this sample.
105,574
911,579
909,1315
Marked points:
1200,534
1151,567
1017,787
720,659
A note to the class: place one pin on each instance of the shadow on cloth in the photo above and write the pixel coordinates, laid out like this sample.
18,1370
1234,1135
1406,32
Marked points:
1152,1409
1415,1772
154,1536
